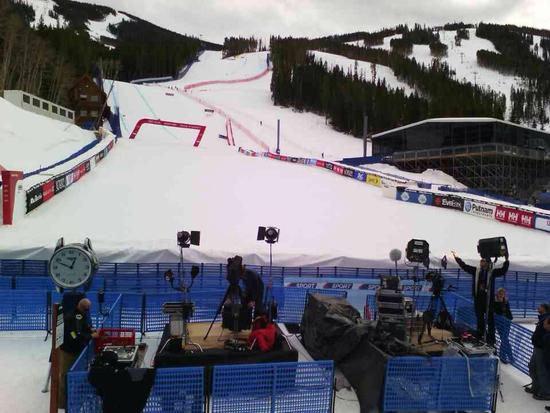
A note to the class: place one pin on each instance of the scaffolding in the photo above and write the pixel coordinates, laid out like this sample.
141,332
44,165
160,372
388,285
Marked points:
503,169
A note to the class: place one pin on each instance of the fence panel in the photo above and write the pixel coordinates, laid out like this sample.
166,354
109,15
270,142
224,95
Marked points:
274,387
23,310
440,383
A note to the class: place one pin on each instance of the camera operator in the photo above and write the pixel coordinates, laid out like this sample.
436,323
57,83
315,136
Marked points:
254,286
483,289
539,370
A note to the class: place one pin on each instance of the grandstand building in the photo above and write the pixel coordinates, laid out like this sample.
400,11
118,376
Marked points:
482,153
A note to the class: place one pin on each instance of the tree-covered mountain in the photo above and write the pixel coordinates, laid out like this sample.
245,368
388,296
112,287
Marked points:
45,59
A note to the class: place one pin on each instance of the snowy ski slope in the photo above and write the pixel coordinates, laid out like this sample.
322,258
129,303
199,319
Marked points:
152,186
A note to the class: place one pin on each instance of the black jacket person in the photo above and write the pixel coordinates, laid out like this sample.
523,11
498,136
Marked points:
77,332
483,288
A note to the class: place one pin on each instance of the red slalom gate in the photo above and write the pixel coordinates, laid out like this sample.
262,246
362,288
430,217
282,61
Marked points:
161,122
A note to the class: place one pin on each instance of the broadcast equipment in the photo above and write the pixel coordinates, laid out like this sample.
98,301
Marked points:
235,316
471,347
395,256
391,307
492,247
443,319
126,355
418,251
186,239
271,236
73,265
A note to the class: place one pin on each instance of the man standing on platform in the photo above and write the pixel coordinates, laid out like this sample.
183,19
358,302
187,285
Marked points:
77,333
483,289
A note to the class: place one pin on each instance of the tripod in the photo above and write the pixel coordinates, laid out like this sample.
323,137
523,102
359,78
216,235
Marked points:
233,290
429,315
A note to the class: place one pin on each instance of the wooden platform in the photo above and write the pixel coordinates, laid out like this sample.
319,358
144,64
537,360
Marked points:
217,335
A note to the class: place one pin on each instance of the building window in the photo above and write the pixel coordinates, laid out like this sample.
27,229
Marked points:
36,102
83,112
93,113
45,106
83,96
54,109
70,114
94,98
62,112
27,99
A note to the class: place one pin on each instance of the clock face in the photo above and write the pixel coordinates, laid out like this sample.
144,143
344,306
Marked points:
70,267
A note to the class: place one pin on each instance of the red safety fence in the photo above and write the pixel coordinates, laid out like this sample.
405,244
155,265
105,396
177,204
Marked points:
217,82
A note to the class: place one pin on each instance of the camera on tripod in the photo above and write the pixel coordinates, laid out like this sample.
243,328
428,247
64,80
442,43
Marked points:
437,280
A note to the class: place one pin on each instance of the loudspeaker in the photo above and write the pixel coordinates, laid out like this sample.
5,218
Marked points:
492,247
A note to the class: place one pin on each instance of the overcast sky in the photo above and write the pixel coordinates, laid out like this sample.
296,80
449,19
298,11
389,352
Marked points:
215,19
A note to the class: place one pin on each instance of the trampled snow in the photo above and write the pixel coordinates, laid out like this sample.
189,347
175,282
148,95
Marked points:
29,141
147,189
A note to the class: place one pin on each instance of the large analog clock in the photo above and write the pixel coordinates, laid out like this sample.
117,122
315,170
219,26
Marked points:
72,265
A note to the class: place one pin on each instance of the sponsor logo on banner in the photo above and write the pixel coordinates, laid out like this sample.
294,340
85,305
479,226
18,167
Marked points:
338,286
542,222
34,198
451,202
82,170
320,163
329,166
413,196
515,216
48,190
360,176
87,166
374,180
348,172
283,158
479,209
111,144
60,183
302,285
294,160
69,179
338,169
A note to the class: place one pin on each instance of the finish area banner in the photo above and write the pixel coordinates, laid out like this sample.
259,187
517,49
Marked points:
515,216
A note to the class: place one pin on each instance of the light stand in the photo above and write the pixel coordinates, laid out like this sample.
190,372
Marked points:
180,312
271,236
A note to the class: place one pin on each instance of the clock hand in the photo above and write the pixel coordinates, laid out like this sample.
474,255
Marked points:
65,265
72,263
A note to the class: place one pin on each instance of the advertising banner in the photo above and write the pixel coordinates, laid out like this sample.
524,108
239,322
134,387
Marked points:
293,159
60,183
413,196
449,201
360,175
48,190
348,172
338,169
9,181
374,180
34,197
515,216
480,209
329,166
87,166
320,163
69,179
542,222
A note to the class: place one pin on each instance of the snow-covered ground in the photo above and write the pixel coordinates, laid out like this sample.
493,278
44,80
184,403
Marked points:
432,176
29,141
42,11
98,29
383,73
151,187
24,373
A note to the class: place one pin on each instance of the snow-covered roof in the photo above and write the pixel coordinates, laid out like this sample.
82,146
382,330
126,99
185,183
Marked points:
455,120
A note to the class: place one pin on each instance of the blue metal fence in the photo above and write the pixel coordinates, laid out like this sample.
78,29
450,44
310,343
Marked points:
526,290
275,387
440,383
